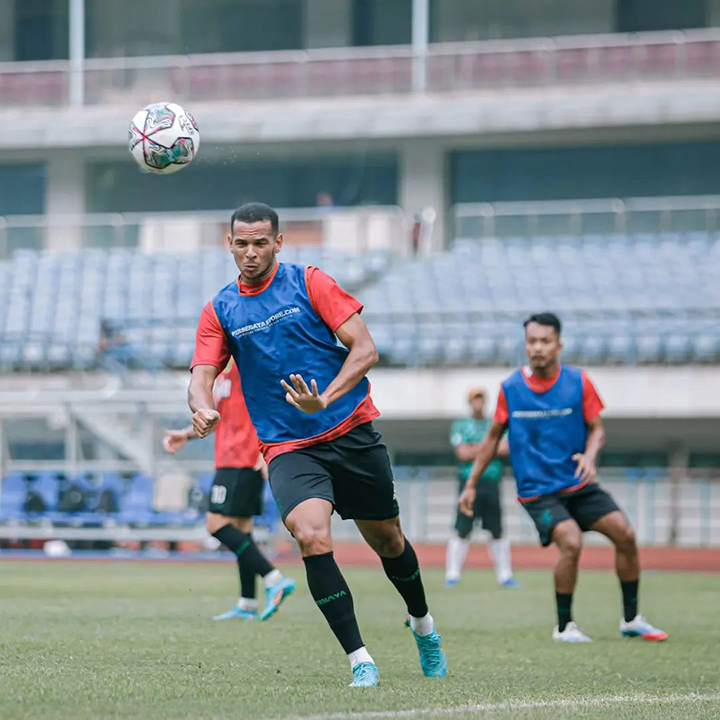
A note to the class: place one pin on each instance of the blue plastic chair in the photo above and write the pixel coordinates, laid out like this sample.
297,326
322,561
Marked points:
137,504
12,499
47,486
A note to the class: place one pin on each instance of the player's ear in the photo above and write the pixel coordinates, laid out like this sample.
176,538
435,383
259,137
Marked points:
229,239
278,242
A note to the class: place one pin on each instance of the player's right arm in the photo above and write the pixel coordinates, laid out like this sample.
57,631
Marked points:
211,354
200,399
175,439
485,455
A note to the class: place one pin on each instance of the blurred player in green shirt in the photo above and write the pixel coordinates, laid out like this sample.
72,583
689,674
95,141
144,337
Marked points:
465,437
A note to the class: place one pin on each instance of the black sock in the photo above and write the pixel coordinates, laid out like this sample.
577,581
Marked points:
404,574
332,596
247,581
630,598
245,548
564,612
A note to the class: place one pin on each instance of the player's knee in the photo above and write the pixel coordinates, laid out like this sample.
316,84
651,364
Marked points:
571,545
625,538
213,522
312,540
389,545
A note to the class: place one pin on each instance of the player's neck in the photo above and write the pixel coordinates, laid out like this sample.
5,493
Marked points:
260,279
546,373
478,416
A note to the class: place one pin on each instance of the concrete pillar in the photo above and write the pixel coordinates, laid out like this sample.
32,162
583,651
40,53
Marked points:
64,195
423,184
328,23
7,30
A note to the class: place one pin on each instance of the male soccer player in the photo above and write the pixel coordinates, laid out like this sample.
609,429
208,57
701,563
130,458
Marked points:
236,496
552,413
465,437
309,401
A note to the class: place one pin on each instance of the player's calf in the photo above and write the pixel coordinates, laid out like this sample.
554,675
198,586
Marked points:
403,571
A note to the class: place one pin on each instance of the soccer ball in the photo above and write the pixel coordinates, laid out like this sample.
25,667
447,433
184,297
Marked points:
163,138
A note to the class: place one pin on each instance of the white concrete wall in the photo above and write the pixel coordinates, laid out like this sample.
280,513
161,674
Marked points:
65,195
422,177
637,392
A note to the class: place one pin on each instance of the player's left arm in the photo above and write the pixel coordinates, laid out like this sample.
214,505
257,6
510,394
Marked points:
503,448
363,355
587,461
592,406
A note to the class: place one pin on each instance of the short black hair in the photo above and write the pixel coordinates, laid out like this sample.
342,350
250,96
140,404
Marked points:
545,318
254,212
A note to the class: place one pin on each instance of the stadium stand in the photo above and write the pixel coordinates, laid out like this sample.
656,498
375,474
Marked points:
104,500
60,310
624,299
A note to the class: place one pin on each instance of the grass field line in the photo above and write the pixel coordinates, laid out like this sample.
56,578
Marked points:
514,705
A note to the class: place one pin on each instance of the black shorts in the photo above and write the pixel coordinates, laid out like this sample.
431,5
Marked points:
585,506
486,508
237,492
352,472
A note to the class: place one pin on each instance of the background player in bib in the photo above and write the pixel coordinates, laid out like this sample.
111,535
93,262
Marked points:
465,437
236,494
309,400
552,413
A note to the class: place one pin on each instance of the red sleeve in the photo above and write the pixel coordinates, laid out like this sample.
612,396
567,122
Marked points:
210,341
592,404
501,410
330,301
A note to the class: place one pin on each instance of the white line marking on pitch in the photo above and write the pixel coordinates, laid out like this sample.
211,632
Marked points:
599,702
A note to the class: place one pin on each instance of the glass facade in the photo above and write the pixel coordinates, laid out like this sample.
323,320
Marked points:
585,172
347,180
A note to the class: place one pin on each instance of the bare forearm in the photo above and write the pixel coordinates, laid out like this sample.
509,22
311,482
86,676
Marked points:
485,455
486,452
467,452
200,396
595,442
356,366
190,433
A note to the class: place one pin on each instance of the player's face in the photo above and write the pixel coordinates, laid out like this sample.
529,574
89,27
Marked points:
477,405
542,346
254,246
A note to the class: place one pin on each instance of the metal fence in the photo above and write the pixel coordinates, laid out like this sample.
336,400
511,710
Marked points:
360,71
684,513
580,217
356,230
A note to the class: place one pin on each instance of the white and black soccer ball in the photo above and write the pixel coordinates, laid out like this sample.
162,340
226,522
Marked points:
163,138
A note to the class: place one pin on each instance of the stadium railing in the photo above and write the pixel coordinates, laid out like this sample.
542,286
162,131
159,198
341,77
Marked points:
359,230
362,70
664,511
590,216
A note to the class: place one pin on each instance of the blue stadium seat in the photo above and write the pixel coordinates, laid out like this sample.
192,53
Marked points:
12,497
137,503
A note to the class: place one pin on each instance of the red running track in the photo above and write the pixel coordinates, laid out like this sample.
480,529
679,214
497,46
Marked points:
536,557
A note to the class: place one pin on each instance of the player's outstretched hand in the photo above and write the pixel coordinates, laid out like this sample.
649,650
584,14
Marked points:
203,421
467,500
304,398
174,440
586,469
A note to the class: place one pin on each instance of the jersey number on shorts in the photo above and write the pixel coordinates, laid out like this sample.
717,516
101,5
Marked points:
218,493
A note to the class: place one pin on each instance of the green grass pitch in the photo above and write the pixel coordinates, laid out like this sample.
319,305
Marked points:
112,640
